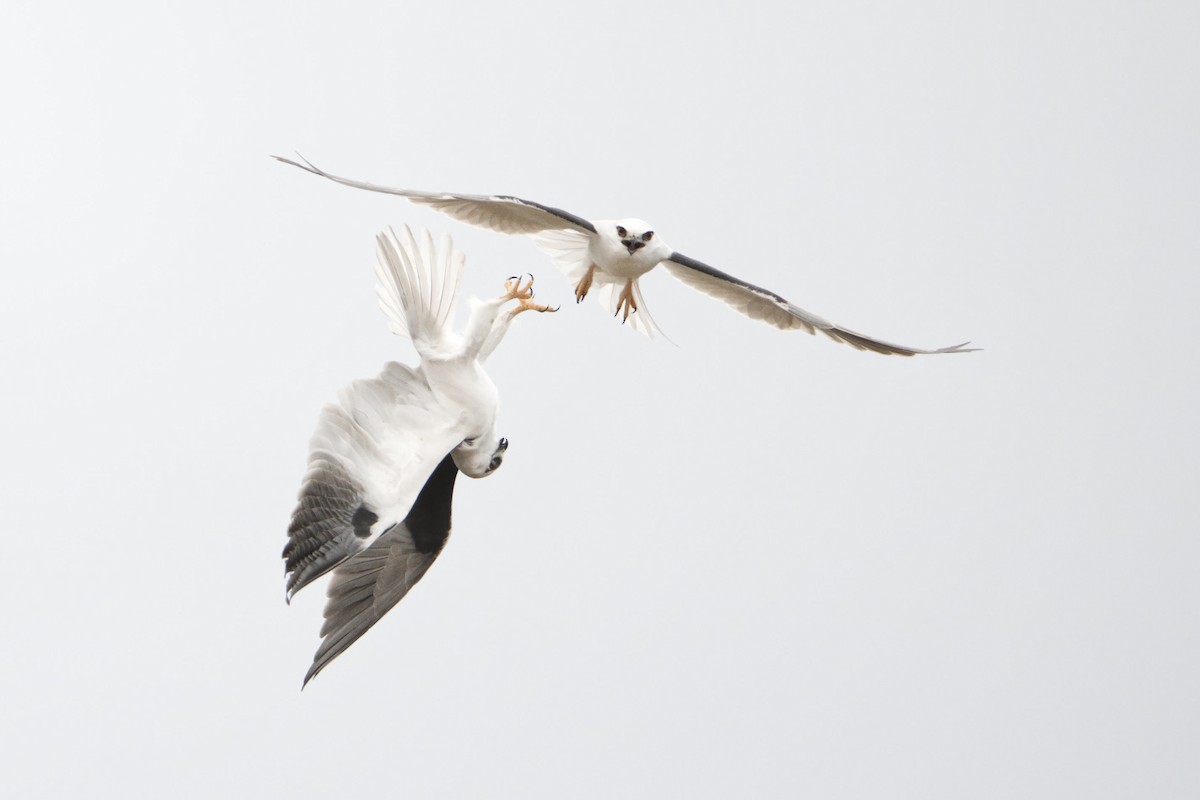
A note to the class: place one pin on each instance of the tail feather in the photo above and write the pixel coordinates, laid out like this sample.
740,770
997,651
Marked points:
609,294
417,284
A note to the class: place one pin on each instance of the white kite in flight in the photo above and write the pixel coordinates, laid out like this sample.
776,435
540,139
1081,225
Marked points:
613,254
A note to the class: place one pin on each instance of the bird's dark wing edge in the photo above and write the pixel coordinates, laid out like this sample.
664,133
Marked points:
700,266
558,212
767,306
367,585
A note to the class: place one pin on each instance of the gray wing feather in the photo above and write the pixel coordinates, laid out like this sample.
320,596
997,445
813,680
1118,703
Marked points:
502,213
364,588
763,304
322,531
369,457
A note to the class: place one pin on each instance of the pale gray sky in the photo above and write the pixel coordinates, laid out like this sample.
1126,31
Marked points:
753,564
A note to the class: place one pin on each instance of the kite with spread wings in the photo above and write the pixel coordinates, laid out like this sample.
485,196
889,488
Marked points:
613,254
374,506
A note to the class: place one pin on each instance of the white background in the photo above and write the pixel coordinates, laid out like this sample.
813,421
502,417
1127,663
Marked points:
749,564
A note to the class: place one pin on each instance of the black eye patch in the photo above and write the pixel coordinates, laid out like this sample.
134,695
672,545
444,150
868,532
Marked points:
647,236
621,231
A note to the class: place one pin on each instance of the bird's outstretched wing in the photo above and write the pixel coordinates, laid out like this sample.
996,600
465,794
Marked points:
762,304
365,587
369,457
499,212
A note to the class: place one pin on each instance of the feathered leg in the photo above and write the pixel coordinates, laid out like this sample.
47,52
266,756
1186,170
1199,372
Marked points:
513,290
585,284
626,301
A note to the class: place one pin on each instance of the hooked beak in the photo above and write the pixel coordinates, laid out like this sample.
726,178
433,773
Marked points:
633,245
497,457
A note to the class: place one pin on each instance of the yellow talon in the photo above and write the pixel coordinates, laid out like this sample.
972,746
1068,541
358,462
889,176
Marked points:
524,297
516,291
585,284
626,302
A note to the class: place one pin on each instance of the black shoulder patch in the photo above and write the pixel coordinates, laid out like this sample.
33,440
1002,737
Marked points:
362,521
429,520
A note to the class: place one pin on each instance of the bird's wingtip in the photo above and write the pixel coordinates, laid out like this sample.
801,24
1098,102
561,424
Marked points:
308,676
959,348
307,166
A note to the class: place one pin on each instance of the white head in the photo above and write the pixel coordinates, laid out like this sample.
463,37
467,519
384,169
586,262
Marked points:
636,237
480,456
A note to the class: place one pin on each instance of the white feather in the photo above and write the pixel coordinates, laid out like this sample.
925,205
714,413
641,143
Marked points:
568,249
417,285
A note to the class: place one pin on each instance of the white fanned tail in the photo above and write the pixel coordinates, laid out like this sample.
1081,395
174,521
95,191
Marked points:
418,284
568,249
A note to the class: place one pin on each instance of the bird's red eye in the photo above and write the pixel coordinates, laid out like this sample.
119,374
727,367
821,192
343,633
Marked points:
647,236
621,231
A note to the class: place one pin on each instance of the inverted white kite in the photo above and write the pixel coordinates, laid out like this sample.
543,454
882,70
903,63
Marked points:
613,254
374,506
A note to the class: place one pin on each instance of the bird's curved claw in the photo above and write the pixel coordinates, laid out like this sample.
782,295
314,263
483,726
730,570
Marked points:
515,289
585,284
523,294
626,302
529,305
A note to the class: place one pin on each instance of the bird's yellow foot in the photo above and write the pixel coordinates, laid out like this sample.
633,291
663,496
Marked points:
516,289
626,302
585,283
523,294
